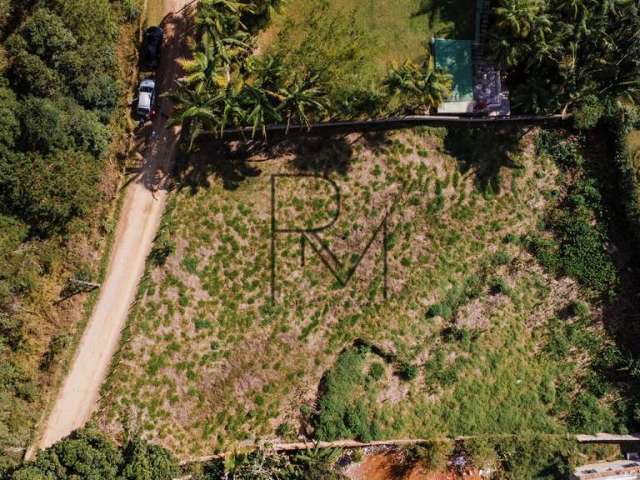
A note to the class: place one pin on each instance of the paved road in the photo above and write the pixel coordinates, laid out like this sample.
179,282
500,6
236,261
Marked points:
142,210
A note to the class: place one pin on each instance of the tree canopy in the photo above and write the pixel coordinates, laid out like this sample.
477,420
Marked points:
569,55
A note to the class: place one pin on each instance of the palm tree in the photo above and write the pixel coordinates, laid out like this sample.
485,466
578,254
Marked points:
195,109
518,16
220,26
299,99
418,85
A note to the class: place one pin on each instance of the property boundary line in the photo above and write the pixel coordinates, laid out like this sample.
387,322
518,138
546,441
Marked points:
393,123
308,445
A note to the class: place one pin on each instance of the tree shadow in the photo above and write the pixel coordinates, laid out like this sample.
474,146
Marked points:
323,155
216,159
621,312
485,151
458,17
232,162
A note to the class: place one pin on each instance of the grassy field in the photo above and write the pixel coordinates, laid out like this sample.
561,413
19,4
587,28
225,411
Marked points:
358,40
474,338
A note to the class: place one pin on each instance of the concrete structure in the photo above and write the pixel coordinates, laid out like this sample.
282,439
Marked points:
617,470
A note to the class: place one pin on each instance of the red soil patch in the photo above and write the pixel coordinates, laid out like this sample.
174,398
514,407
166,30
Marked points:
391,466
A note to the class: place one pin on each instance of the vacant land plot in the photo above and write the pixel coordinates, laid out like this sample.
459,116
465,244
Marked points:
474,338
358,40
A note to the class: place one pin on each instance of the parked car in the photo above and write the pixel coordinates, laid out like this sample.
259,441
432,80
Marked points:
146,99
152,47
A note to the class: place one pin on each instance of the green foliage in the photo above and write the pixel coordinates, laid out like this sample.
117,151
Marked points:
144,461
627,164
87,454
376,371
407,371
578,56
49,191
457,296
58,89
589,113
312,71
577,248
413,87
434,455
340,413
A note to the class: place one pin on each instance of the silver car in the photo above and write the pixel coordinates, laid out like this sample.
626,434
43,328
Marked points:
146,99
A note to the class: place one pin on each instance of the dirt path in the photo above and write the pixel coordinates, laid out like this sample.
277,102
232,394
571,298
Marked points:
142,210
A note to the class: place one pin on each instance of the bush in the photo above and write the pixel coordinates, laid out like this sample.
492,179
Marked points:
579,224
162,249
439,310
131,10
376,371
407,371
589,112
557,145
341,414
434,455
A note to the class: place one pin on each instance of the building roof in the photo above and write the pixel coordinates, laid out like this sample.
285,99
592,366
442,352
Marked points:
618,470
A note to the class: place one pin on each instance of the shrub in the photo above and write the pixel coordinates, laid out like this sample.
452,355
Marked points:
376,371
499,285
283,430
341,414
559,147
434,455
131,10
439,310
162,249
589,112
407,371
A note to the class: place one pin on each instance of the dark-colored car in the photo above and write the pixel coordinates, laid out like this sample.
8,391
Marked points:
152,47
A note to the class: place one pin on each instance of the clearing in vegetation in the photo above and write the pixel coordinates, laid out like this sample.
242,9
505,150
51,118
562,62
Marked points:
482,331
359,40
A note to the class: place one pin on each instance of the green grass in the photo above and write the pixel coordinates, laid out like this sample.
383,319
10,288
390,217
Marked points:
360,39
209,361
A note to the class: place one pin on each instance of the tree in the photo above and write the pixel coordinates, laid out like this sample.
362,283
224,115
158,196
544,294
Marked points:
45,34
413,86
561,54
47,192
299,99
32,76
44,125
9,122
85,454
88,455
143,461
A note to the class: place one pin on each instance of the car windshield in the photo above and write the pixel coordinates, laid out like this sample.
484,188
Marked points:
146,89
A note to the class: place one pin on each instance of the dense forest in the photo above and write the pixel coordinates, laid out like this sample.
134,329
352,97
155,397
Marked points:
576,56
59,85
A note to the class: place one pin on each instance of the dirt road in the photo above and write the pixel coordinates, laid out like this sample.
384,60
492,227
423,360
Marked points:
142,210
